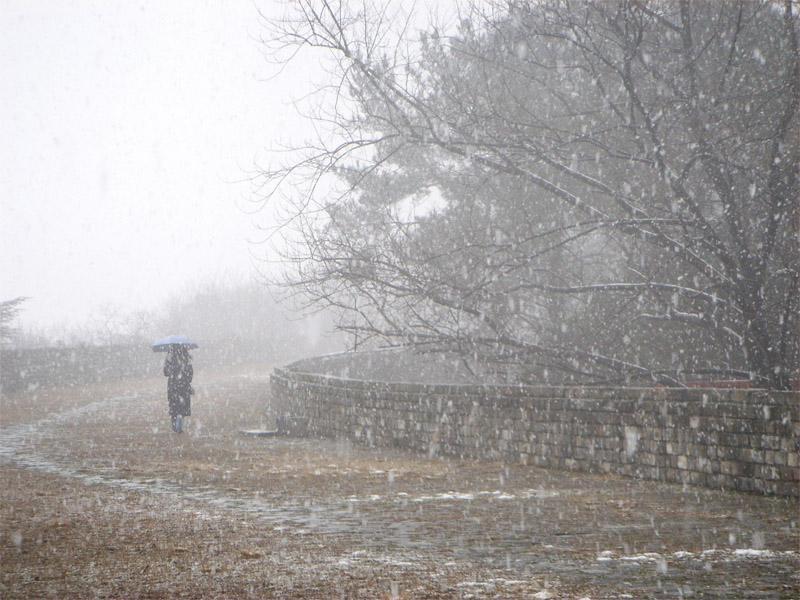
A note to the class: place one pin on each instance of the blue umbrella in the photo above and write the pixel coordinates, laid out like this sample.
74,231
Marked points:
164,344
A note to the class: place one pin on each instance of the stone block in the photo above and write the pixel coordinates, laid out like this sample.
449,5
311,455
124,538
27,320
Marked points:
729,467
757,456
745,484
292,425
788,488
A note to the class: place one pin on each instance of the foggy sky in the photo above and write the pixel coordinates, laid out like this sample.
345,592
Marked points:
127,130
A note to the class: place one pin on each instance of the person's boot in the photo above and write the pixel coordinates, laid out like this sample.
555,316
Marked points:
177,423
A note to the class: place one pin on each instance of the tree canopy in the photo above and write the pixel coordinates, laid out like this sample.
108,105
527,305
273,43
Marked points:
565,191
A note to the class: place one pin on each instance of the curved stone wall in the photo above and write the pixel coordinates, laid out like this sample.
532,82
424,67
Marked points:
745,440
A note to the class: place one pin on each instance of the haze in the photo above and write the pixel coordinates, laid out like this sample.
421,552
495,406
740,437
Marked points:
129,131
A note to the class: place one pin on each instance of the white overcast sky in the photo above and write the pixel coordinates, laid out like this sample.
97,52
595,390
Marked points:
125,126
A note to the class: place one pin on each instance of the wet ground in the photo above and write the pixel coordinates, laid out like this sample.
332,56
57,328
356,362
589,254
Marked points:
99,498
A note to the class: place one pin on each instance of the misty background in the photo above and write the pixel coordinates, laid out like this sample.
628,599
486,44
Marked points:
132,131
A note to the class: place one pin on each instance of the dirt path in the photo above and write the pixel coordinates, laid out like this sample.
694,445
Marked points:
99,498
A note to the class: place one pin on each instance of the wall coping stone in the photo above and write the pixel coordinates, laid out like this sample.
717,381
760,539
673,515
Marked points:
689,395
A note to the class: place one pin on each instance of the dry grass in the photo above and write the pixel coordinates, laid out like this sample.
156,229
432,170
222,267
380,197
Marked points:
140,512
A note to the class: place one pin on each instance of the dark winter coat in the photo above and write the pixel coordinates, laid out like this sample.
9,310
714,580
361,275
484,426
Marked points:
179,373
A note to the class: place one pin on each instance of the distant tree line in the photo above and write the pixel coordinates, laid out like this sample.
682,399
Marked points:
234,322
238,323
600,192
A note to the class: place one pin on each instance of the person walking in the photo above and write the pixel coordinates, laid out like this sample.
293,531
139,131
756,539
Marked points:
179,372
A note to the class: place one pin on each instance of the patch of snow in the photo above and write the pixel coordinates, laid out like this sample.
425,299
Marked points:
646,557
444,496
753,552
495,495
501,496
741,553
507,581
16,539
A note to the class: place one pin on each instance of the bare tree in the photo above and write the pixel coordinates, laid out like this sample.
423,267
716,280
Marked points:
604,189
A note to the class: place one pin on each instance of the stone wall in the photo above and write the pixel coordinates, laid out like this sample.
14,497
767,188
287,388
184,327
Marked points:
35,368
735,439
